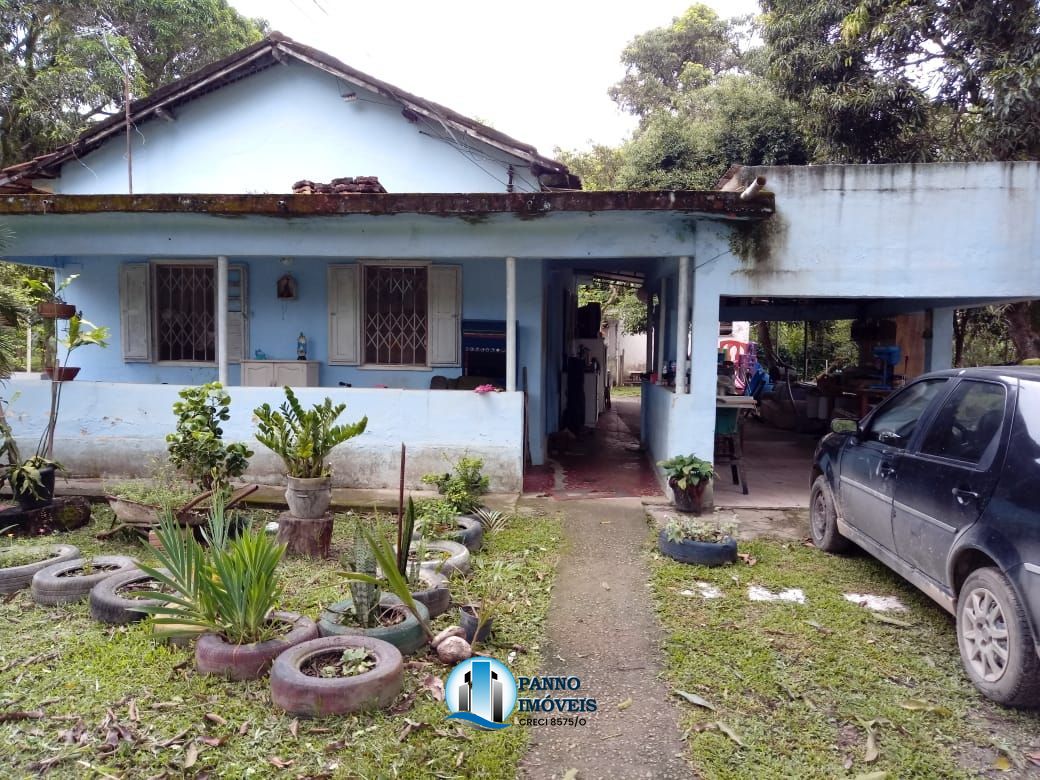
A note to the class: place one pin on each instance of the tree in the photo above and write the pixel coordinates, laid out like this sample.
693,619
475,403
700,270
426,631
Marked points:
62,62
616,301
597,167
908,80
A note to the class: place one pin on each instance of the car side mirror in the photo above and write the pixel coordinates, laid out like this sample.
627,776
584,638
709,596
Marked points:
844,427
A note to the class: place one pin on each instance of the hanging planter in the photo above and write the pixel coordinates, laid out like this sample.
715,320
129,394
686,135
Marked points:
55,310
61,373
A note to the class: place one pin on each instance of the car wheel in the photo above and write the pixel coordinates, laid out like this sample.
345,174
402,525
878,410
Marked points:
995,641
823,519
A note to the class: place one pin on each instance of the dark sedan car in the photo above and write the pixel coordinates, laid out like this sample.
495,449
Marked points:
941,482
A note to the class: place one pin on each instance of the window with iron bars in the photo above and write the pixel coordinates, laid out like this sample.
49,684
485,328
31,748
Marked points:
185,312
396,326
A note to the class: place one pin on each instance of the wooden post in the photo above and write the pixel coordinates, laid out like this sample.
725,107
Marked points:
400,502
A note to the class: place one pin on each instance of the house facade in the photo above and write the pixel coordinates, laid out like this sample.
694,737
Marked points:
207,265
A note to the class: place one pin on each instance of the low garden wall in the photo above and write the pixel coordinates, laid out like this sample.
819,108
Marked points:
117,430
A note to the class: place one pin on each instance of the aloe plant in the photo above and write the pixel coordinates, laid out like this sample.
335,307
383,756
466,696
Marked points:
365,595
303,438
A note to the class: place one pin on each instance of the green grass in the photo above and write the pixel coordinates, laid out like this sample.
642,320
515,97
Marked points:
86,678
798,684
625,391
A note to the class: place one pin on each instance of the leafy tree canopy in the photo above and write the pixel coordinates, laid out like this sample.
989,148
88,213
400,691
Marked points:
910,80
61,62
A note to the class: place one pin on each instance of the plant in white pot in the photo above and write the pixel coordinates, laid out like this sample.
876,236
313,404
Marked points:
303,440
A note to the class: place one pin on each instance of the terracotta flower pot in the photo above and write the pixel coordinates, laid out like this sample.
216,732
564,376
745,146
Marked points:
61,373
215,655
51,310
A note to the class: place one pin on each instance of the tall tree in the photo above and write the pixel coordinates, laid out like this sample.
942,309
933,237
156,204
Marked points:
62,62
906,80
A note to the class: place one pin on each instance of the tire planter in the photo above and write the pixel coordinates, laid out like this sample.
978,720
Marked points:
313,697
214,655
689,499
407,636
108,605
44,494
469,622
308,498
436,597
702,553
14,578
456,562
54,585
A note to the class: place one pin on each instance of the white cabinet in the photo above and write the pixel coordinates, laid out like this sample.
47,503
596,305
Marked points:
279,373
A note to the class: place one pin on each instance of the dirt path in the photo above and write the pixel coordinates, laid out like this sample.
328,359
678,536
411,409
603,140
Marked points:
610,639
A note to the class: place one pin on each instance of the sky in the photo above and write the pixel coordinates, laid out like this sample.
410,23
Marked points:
538,71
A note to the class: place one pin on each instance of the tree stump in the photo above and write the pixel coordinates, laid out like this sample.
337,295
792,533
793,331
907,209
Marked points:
310,538
63,514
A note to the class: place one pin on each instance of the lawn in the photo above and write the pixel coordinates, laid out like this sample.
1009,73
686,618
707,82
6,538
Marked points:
110,702
827,688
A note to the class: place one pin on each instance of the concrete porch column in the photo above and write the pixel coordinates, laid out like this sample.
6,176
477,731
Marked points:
662,309
511,324
699,418
938,350
682,328
222,304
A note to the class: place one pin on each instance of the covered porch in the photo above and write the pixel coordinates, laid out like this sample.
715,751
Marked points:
491,258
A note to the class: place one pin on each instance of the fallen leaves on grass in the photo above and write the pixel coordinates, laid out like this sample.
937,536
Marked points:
1003,763
191,755
729,732
6,717
918,705
693,698
892,621
409,727
748,558
281,763
212,717
435,685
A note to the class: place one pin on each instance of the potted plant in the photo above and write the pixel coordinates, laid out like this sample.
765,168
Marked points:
32,480
336,675
439,519
688,476
368,612
462,487
428,587
50,304
692,541
230,589
303,440
76,336
483,598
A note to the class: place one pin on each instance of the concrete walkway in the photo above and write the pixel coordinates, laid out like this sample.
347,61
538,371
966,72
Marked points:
609,638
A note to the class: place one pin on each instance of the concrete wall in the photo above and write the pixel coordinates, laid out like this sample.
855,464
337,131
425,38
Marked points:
116,430
287,123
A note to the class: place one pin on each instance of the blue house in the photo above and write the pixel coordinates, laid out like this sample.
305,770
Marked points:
456,253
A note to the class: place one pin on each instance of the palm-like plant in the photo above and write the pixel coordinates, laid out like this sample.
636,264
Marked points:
229,588
303,438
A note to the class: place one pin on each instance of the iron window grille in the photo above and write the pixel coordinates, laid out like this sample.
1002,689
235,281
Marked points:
185,312
396,324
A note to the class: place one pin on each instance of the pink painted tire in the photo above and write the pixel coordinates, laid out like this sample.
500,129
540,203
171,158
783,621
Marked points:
315,697
214,655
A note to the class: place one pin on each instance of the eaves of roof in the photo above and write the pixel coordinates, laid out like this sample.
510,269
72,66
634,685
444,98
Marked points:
712,204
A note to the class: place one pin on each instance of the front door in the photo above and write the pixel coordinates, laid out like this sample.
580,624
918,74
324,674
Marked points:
944,484
870,464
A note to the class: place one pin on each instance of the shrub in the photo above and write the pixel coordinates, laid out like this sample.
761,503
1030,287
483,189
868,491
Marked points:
463,488
196,447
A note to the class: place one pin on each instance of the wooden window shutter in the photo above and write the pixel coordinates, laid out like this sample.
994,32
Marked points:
344,314
135,312
445,286
238,313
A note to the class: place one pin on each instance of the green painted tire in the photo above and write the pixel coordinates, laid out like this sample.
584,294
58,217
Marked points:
407,636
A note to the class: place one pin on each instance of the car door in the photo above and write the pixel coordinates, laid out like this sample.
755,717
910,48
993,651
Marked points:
946,480
870,461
